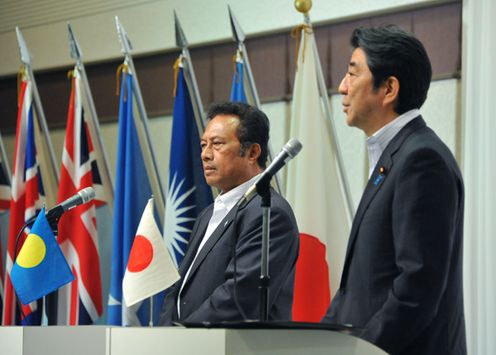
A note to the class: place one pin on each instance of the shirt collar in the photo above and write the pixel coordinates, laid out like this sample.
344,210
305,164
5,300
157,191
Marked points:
232,196
380,139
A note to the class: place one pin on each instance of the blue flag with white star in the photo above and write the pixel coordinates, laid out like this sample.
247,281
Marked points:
40,267
188,193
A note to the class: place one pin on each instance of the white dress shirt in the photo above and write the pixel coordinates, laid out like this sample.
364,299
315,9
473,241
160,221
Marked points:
222,205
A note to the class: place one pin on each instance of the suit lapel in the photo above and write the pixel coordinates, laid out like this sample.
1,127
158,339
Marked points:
212,240
197,236
379,175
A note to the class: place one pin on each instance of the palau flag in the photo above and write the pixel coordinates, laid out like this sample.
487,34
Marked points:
40,267
132,191
188,193
238,90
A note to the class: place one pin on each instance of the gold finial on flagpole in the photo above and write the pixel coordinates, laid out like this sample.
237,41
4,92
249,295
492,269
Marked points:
303,6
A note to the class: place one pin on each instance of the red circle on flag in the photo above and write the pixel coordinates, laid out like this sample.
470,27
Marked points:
141,254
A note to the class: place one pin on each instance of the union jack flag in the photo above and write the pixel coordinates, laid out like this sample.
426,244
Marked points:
79,302
4,205
4,184
27,199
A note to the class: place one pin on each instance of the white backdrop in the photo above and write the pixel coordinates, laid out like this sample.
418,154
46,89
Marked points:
479,169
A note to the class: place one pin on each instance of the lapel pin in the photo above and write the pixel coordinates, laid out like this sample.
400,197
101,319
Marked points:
380,177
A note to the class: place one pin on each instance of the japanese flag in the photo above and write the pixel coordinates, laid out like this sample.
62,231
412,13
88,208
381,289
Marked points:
149,268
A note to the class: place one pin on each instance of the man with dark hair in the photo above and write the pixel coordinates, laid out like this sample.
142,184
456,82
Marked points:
234,153
401,285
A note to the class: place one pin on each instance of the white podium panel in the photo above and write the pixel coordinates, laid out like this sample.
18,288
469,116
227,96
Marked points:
103,340
296,342
55,340
180,341
11,340
167,340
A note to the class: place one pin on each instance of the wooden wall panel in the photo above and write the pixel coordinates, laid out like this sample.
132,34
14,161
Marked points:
222,72
268,59
440,31
341,50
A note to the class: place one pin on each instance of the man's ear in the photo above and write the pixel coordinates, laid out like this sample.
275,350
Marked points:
391,91
254,152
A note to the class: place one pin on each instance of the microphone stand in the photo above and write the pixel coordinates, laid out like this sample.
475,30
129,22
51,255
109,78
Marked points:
263,189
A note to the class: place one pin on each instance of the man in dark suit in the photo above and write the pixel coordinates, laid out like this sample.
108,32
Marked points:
402,278
234,153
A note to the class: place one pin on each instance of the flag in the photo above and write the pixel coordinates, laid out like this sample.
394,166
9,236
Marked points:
40,267
27,198
81,301
1,280
132,190
150,268
4,205
314,191
4,182
188,193
238,89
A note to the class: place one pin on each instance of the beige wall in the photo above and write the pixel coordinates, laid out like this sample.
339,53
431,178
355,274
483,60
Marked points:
149,24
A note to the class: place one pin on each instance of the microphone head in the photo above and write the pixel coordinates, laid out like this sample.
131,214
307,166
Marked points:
292,147
87,194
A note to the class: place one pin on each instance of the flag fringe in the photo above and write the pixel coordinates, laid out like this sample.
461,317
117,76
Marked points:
124,69
296,33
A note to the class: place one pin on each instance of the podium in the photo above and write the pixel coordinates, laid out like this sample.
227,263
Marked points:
105,340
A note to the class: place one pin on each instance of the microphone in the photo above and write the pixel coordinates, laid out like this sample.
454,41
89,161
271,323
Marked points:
81,197
288,152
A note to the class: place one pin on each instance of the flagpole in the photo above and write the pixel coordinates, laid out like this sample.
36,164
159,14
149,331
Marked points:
149,156
5,161
150,323
77,54
304,7
239,37
189,72
26,60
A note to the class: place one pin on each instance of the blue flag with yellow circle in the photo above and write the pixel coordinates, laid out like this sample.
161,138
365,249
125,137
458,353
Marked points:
40,266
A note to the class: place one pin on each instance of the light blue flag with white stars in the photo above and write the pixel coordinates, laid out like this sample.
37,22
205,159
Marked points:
132,191
238,89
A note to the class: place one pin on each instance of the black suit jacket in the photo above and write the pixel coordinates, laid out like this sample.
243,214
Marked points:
402,277
208,292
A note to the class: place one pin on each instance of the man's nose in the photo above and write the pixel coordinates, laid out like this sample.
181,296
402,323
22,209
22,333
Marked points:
206,153
343,86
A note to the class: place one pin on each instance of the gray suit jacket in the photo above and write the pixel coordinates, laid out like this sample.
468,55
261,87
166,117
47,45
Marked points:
402,277
207,295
